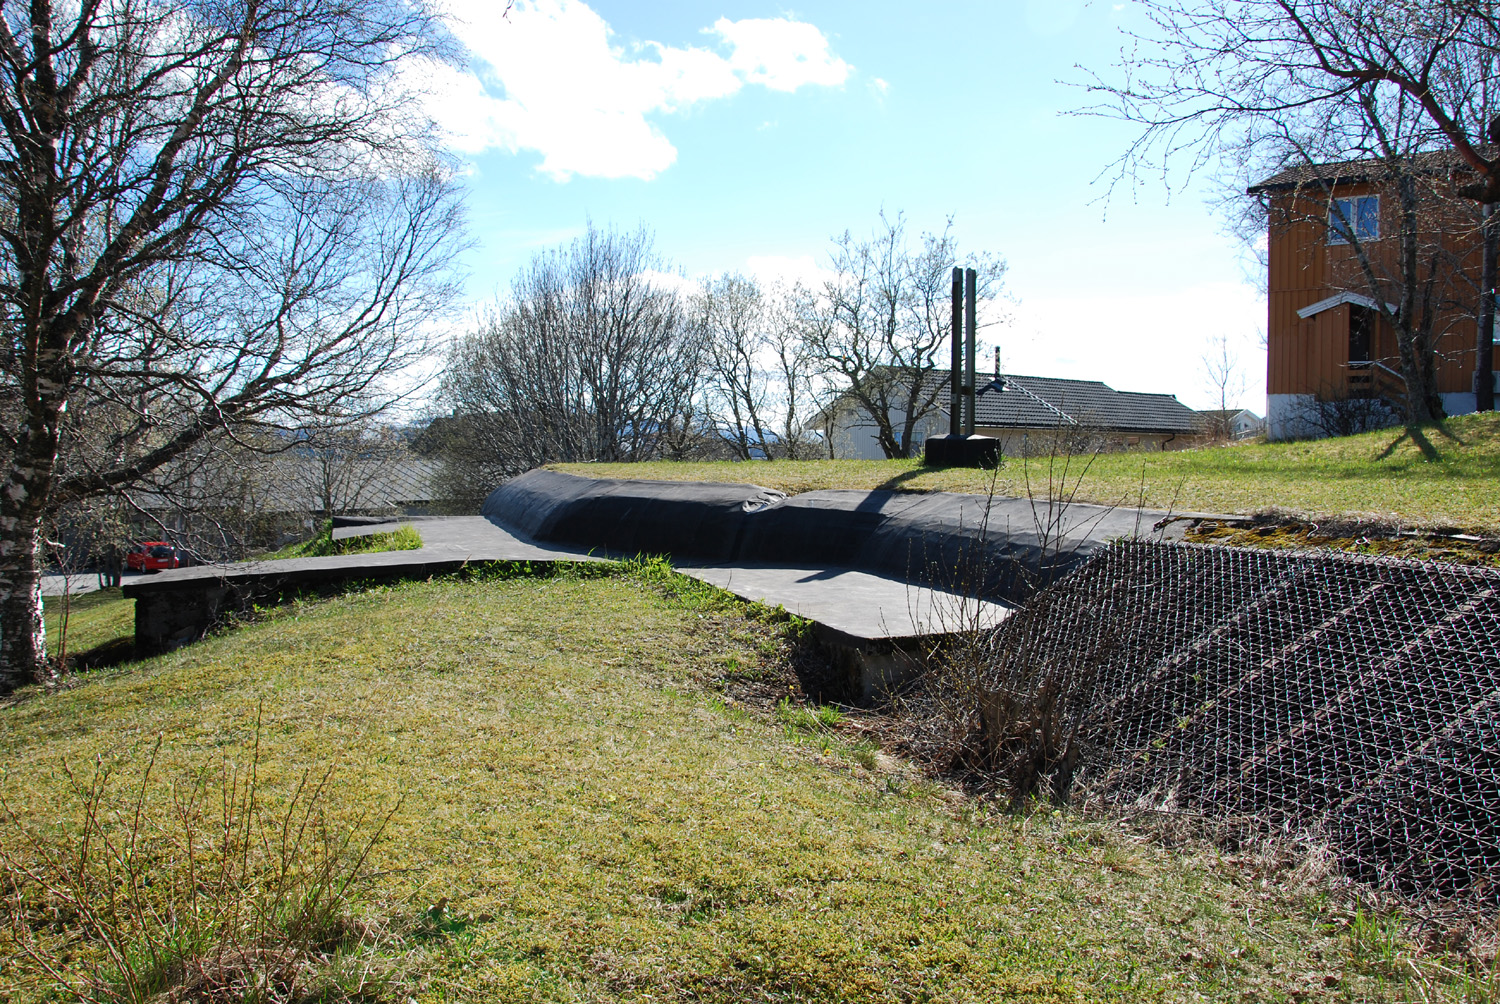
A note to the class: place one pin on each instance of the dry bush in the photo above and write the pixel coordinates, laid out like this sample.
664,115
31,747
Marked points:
228,895
985,709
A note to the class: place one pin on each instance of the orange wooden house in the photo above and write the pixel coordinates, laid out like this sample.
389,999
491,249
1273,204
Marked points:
1333,248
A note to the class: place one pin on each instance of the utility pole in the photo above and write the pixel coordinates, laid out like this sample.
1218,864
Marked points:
971,285
961,447
956,371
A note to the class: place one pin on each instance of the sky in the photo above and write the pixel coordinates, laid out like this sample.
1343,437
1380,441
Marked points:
746,134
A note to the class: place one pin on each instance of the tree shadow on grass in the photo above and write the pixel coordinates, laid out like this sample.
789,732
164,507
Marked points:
892,484
1418,436
111,653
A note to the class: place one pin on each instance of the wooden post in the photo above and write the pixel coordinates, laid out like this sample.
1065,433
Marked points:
971,283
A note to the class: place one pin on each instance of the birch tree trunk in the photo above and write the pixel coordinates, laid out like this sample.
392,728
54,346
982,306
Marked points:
23,504
23,651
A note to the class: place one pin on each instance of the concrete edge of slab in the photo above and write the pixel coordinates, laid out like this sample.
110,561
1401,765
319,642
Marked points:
877,630
176,607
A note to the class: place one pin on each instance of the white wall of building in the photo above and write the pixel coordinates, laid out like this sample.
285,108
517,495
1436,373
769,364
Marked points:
855,436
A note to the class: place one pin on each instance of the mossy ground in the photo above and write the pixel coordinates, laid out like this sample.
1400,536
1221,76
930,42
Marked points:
601,822
1440,476
1277,534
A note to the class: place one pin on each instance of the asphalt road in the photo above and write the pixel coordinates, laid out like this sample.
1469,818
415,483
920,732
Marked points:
83,582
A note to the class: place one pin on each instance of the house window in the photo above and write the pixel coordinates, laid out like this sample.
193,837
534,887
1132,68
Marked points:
1359,215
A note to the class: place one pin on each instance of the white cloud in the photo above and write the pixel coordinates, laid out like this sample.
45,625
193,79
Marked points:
669,280
781,54
551,77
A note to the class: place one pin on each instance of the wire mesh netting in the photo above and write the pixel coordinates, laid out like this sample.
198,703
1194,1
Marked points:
1354,700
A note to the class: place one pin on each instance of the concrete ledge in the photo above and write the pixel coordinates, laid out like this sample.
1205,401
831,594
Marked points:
855,605
177,607
874,627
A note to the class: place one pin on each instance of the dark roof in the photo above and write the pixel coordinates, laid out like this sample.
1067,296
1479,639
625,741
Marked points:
1030,402
1349,172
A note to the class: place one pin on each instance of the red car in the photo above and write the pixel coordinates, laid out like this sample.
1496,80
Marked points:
152,556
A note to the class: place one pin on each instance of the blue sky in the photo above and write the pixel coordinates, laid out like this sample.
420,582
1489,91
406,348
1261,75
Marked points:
747,133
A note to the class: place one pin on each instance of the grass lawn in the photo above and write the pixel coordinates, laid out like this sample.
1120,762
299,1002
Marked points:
596,821
404,538
98,623
1446,475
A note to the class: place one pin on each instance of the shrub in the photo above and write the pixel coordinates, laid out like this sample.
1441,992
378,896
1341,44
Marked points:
226,898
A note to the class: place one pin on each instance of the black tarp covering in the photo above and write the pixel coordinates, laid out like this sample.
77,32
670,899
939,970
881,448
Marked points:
683,519
998,547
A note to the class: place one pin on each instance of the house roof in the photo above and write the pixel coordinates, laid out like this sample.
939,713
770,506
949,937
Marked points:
1350,172
1013,401
1338,299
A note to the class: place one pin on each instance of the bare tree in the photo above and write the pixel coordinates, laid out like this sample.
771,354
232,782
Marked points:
212,217
593,357
760,384
1269,84
338,468
1221,371
879,327
731,311
802,386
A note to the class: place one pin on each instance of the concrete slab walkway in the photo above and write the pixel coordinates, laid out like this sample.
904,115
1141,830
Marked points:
858,606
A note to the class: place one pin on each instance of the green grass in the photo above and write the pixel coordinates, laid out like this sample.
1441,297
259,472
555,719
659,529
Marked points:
98,622
1446,475
404,538
585,816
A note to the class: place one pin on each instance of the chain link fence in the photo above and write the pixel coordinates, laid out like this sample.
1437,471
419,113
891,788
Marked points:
1354,701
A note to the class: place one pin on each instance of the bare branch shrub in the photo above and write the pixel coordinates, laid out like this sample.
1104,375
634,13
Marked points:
226,898
1338,414
342,468
991,710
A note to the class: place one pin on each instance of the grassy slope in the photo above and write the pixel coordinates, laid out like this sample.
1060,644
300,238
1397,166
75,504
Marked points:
403,538
619,832
96,620
1447,475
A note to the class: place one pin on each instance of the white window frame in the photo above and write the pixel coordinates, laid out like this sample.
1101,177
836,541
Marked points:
1336,234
